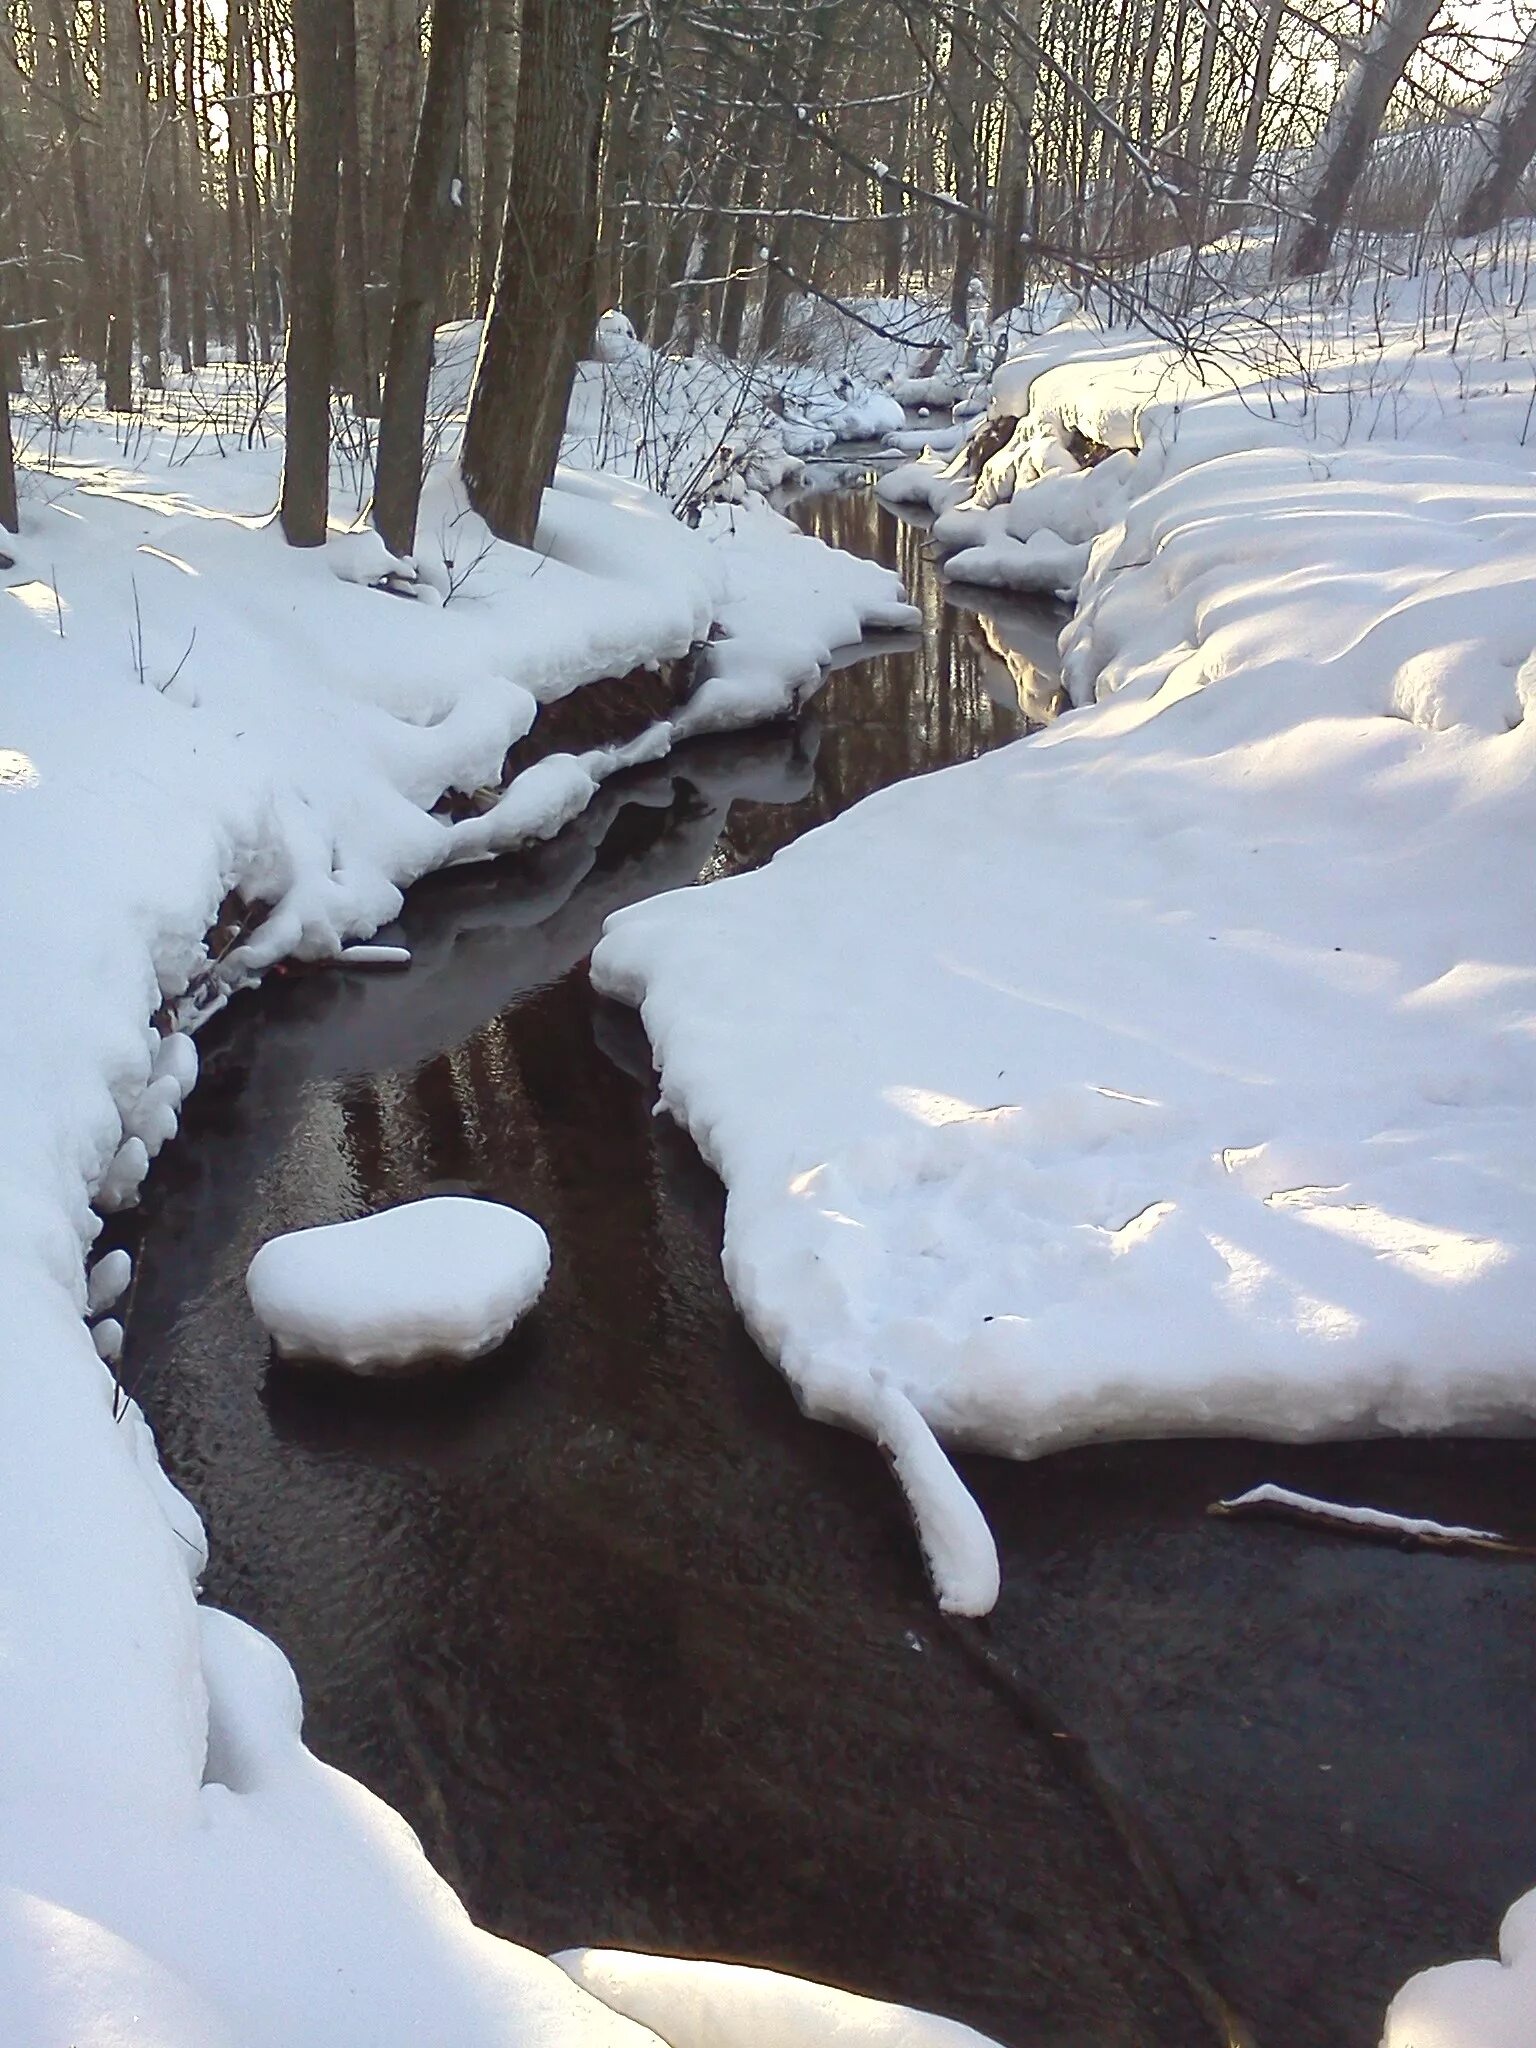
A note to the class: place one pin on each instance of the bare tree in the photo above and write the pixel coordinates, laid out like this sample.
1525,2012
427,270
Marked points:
1339,157
541,312
498,107
1502,145
431,210
311,272
10,517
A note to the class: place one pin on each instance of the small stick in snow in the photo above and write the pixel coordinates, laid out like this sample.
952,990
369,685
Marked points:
1279,1503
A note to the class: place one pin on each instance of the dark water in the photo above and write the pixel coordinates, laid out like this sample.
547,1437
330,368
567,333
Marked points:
648,1660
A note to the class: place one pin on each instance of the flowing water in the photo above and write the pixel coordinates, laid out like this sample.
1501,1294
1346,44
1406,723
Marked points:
648,1660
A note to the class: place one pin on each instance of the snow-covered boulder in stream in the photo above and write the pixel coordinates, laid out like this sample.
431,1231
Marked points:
447,1277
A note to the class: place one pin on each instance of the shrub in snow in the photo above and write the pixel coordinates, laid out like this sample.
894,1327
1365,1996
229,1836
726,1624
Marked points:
445,1277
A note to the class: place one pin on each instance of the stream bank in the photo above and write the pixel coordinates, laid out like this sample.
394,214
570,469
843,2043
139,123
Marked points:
649,1661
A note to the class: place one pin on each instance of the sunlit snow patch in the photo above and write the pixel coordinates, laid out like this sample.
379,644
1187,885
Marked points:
446,1277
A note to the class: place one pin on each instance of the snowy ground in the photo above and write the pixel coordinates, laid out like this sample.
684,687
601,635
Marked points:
189,711
1174,1070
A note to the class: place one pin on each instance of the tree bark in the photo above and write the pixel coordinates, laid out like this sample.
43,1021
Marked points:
426,237
91,316
1305,246
123,176
9,516
354,356
312,272
1502,145
535,331
1021,74
499,107
1258,99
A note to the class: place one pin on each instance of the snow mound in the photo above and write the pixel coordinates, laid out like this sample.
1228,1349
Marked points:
691,2004
444,1277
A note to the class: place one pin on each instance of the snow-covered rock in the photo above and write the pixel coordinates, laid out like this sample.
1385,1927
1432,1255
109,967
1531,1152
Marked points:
446,1277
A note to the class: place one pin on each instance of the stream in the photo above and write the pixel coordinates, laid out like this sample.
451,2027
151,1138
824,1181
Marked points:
647,1660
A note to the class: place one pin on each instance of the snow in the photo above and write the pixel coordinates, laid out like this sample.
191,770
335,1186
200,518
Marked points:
691,2004
957,1544
1270,1495
698,428
107,1336
1170,1071
218,754
1251,1159
446,1277
374,956
1173,1070
109,1280
1481,2004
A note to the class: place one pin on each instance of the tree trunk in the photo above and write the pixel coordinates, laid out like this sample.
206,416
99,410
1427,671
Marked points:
1502,145
1021,73
354,356
893,200
312,272
426,237
1307,242
123,177
534,332
500,103
9,517
742,266
90,326
1258,99
147,222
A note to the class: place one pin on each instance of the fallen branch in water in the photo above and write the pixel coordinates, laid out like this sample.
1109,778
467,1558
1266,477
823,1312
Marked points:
1374,1525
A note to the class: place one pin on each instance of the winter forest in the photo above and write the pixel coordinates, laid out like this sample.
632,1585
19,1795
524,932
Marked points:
767,1023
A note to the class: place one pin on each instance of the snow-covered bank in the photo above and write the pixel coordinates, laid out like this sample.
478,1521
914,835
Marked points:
1170,1070
1173,1071
194,715
728,2005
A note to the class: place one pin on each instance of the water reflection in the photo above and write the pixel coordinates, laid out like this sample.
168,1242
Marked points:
981,652
643,1657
